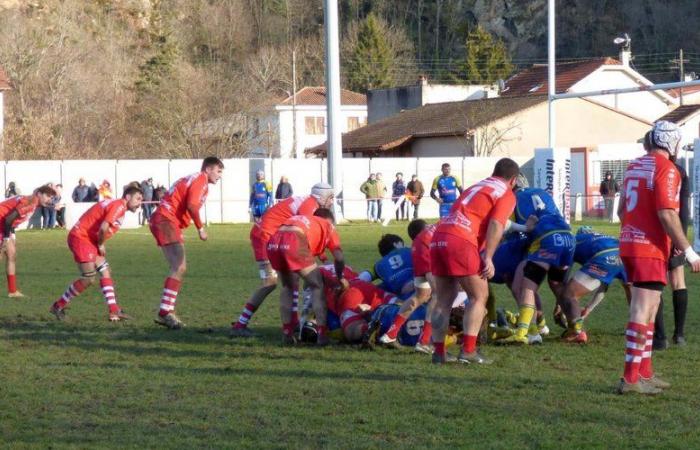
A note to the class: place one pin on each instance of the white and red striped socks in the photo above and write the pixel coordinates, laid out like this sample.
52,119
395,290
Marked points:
108,293
635,340
645,368
74,290
169,297
247,313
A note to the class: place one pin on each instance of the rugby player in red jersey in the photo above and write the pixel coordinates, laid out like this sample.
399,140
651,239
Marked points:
13,212
86,241
292,251
650,223
321,197
461,254
176,211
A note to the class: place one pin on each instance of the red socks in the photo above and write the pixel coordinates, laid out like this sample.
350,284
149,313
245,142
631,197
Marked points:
635,338
169,297
469,344
108,293
645,368
399,320
426,334
247,313
75,289
439,348
12,284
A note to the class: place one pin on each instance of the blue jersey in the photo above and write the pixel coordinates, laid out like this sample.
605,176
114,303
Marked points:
395,270
260,197
599,256
446,186
591,244
508,255
410,331
538,202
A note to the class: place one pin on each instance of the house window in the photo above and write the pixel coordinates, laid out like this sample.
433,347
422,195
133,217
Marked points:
315,125
356,122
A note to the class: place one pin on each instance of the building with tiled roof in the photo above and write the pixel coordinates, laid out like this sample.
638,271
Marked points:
687,117
594,75
504,126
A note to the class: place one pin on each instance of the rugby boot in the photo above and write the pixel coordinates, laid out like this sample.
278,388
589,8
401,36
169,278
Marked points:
169,321
388,342
574,337
655,382
119,316
636,388
473,358
424,348
242,332
16,294
514,339
60,313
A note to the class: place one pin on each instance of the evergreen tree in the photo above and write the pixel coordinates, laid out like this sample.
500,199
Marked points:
486,60
372,58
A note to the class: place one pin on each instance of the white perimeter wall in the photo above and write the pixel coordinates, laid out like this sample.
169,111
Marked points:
228,200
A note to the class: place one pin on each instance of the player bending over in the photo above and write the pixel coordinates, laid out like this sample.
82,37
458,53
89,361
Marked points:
321,197
176,211
86,241
292,251
650,223
13,212
461,254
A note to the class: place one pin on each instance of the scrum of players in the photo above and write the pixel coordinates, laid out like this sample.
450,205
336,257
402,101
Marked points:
437,293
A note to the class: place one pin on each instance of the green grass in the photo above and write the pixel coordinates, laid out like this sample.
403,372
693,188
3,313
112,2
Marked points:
90,384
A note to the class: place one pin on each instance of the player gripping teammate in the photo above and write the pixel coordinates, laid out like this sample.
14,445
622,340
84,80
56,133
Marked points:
86,241
321,197
550,255
599,256
13,212
447,187
461,254
176,211
292,251
650,223
421,234
260,196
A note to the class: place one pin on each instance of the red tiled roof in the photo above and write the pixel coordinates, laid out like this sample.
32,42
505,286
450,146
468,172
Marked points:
534,80
432,120
686,91
317,96
680,114
4,81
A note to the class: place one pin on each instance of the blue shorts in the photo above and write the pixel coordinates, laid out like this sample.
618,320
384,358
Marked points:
259,209
505,265
605,267
410,331
555,248
445,209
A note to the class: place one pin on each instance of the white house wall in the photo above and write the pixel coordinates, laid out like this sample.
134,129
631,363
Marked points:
691,130
450,146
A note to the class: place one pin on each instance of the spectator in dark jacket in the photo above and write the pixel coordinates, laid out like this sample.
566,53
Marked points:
11,190
415,191
284,189
398,189
147,205
81,193
608,189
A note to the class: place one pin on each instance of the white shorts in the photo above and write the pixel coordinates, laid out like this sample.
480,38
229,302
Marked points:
421,282
586,281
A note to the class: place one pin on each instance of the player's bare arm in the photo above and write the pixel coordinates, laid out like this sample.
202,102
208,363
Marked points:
494,233
102,237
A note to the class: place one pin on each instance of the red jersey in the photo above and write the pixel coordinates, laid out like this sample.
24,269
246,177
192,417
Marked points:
371,294
110,211
320,233
421,244
23,204
185,198
284,210
652,183
489,199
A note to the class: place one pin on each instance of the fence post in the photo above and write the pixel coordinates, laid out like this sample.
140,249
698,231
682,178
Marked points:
613,213
691,206
578,212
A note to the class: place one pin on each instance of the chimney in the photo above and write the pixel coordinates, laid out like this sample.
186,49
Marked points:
625,56
422,80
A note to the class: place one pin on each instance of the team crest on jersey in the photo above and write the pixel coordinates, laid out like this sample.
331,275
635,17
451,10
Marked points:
597,270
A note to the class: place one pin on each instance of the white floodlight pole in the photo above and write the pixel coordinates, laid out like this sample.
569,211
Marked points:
334,138
551,70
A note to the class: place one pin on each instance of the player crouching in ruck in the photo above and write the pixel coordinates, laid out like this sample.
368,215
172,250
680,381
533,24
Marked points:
461,254
650,223
292,251
86,241
176,211
13,212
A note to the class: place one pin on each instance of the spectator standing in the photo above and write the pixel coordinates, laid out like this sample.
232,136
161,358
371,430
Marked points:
105,191
260,195
398,191
381,193
48,213
81,193
60,206
284,189
445,190
147,205
415,191
608,189
369,188
11,190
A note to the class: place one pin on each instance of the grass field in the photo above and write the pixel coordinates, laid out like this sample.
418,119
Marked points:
87,383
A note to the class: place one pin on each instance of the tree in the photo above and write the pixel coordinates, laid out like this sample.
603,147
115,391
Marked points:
372,59
486,59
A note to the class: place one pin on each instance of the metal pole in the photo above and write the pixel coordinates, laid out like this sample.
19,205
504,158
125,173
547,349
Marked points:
551,70
682,70
335,146
295,152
